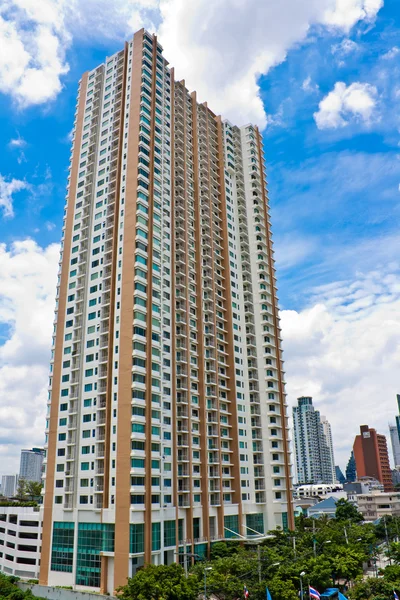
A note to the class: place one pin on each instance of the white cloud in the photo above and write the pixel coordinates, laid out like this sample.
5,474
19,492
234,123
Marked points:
7,190
345,103
17,143
344,350
345,48
347,12
220,48
27,279
309,86
392,53
237,41
33,41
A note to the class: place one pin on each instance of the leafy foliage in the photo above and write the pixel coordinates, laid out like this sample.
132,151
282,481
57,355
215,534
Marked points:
160,583
328,551
346,511
10,591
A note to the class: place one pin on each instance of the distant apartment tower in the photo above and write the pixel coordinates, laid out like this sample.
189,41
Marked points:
31,464
371,456
395,435
9,485
327,429
313,453
351,471
394,438
167,416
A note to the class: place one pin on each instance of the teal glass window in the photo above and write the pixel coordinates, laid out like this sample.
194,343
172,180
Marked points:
62,551
231,522
136,538
93,538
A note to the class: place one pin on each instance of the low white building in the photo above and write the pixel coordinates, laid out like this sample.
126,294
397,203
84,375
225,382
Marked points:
317,490
20,541
375,505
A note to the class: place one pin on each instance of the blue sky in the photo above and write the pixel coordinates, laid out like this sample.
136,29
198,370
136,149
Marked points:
324,77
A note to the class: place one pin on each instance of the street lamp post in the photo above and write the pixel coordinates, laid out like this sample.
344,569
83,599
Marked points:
205,581
301,585
315,545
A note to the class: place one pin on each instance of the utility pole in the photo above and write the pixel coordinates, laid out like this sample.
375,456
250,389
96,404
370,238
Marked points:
314,540
345,534
301,585
387,540
294,547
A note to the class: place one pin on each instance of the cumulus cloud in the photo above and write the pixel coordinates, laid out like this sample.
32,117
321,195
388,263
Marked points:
344,350
7,190
392,53
33,39
28,276
347,12
211,57
222,58
346,103
344,48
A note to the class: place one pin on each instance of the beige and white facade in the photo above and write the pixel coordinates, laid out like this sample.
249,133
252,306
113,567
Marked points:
376,505
167,419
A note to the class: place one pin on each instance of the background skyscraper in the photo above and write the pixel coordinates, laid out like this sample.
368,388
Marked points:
395,441
327,429
351,472
9,485
340,478
371,456
167,410
31,464
313,453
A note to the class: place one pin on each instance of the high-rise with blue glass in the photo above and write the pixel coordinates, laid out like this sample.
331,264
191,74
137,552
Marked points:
167,423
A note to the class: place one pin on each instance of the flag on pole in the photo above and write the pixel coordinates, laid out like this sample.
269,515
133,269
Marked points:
395,596
246,592
314,593
268,595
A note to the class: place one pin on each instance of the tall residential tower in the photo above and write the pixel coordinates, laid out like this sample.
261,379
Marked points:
167,423
31,463
313,449
371,456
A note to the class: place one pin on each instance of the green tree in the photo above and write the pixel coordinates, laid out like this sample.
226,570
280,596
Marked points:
33,490
21,489
346,511
10,591
347,563
372,589
282,590
223,549
160,583
230,574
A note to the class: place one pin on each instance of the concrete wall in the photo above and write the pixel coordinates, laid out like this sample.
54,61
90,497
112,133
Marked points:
54,593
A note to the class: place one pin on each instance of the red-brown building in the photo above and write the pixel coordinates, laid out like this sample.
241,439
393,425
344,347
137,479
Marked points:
372,459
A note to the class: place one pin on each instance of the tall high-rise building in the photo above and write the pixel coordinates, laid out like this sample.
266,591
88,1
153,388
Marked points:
398,415
327,429
314,455
9,485
394,438
31,464
167,424
351,471
371,456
